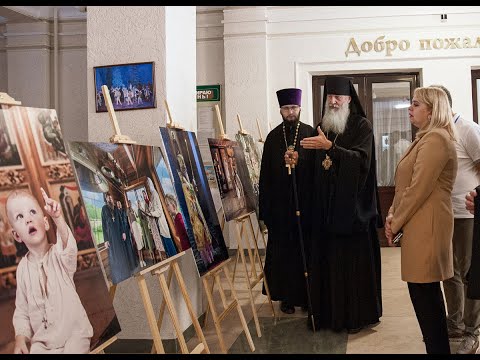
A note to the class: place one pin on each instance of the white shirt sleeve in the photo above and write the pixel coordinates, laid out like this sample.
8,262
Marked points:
21,318
472,143
67,255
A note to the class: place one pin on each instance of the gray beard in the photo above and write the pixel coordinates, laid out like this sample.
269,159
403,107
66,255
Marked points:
336,121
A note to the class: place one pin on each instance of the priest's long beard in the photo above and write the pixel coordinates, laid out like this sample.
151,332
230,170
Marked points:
336,120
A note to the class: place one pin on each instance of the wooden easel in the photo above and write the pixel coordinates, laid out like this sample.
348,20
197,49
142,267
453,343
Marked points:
223,136
101,348
260,132
214,274
6,99
170,264
253,278
259,230
255,239
117,138
170,123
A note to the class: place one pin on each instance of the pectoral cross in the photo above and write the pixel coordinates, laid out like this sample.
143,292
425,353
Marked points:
327,162
44,321
288,166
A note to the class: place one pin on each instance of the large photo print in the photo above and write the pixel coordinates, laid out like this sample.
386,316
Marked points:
233,178
194,194
253,160
131,204
53,295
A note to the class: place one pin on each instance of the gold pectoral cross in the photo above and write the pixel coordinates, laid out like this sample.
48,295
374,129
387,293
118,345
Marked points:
327,162
288,166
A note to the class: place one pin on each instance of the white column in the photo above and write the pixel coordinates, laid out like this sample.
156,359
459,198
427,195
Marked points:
246,59
29,51
180,43
165,35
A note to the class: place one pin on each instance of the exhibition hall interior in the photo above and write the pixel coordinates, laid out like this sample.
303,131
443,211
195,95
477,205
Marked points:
231,179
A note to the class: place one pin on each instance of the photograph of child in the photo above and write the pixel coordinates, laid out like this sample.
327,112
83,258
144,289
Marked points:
53,293
48,312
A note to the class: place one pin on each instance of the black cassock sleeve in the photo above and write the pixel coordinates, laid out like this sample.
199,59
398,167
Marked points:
473,288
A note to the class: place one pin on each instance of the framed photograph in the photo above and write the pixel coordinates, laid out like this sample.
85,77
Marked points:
195,198
131,86
233,178
138,201
47,136
9,155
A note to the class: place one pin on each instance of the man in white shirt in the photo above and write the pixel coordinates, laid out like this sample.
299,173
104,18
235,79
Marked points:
463,313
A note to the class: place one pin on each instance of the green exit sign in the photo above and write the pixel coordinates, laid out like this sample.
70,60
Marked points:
208,93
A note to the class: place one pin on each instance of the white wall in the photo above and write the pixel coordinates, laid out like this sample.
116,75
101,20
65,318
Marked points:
181,65
209,51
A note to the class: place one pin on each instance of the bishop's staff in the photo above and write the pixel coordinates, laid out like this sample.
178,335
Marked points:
291,171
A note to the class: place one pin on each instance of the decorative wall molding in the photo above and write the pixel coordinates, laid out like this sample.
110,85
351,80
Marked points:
11,178
60,171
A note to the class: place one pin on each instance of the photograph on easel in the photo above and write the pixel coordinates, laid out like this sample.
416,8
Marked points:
253,159
129,196
194,195
233,178
53,295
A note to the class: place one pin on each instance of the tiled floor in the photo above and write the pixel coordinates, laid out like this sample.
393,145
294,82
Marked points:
398,331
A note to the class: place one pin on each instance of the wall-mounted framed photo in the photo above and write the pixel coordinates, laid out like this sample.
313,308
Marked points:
131,86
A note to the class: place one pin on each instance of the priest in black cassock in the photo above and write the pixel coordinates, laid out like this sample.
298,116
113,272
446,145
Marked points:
345,254
283,263
114,237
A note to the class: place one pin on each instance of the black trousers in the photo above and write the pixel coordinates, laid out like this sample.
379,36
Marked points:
427,300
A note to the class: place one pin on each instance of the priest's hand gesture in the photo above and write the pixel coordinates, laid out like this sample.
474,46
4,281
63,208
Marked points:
319,142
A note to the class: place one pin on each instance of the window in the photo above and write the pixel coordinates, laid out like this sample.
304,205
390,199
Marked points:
93,204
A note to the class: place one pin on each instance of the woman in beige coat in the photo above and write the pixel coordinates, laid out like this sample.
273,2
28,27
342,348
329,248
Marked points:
422,210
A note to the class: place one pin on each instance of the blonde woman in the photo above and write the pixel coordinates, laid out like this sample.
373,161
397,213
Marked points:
422,211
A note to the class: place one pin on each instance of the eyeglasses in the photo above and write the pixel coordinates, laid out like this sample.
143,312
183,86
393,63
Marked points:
290,108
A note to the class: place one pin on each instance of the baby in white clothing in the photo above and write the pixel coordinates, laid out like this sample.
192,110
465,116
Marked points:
48,311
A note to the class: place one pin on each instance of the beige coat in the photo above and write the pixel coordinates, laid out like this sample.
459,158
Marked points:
422,207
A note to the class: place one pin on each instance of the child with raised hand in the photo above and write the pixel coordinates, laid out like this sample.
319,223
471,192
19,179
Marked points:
48,312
